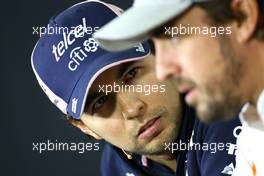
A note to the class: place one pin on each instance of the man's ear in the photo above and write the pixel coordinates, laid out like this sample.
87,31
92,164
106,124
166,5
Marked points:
79,124
246,26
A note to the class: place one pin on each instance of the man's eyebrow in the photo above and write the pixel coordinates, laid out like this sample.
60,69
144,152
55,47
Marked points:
159,32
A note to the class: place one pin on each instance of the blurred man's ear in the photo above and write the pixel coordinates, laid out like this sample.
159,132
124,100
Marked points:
79,124
249,12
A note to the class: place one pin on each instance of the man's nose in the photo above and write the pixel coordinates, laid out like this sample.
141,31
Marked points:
132,106
167,64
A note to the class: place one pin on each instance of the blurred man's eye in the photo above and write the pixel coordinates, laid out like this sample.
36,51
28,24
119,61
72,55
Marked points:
131,74
99,103
174,40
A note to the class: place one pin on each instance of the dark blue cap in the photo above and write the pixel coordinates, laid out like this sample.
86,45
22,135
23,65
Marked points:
66,59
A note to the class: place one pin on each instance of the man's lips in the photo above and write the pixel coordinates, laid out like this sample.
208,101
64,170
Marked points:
184,88
149,129
190,92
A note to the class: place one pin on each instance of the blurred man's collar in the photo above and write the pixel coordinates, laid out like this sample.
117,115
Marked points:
260,105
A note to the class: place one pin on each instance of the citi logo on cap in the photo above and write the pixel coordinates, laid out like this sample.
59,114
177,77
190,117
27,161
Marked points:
78,53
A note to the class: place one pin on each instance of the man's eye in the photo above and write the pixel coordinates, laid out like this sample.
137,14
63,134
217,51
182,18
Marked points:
99,103
131,74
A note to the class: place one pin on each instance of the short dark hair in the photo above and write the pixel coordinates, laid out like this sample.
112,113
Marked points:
69,120
152,47
220,12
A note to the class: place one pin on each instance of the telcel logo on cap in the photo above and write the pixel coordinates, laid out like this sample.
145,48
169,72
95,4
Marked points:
77,54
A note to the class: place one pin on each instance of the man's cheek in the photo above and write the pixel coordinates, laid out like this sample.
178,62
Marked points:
114,129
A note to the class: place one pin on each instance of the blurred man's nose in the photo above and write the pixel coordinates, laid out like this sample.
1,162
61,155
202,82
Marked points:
131,105
166,60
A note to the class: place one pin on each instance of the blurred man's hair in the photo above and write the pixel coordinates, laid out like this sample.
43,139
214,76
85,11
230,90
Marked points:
220,12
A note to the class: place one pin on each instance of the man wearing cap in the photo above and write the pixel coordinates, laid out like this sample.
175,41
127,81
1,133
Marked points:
142,129
220,74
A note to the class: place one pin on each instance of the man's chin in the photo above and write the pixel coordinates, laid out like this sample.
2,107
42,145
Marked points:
156,146
150,149
213,113
207,115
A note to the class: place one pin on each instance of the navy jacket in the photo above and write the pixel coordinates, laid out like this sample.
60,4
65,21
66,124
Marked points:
192,162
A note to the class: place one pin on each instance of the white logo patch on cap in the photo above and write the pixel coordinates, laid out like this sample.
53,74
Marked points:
74,104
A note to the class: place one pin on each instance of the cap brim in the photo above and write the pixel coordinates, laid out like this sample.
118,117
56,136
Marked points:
135,24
